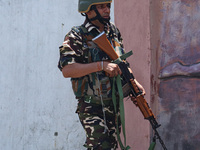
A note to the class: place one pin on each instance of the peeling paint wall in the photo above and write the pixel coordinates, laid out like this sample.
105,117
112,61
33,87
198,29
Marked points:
175,41
169,71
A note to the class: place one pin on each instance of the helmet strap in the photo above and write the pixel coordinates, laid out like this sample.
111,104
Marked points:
83,14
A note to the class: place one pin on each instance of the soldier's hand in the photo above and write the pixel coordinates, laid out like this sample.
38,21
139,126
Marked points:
111,69
140,87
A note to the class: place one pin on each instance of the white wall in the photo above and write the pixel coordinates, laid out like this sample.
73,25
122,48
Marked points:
35,100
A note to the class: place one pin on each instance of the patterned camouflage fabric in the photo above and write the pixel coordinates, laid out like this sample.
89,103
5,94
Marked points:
92,120
79,48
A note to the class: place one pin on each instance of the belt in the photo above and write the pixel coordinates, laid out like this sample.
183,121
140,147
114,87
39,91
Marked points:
97,100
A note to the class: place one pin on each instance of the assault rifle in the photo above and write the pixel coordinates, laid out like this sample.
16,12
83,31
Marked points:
132,90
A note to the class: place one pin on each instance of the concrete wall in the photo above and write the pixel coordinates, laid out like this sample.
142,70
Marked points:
132,18
37,105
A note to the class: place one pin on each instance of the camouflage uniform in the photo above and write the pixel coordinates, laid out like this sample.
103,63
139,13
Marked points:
79,48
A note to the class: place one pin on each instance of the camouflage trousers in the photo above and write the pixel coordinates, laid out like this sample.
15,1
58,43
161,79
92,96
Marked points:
92,119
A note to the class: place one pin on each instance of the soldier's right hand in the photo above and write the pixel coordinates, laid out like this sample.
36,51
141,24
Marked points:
111,69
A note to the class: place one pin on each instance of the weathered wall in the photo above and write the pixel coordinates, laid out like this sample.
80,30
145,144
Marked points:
132,18
175,42
168,68
36,104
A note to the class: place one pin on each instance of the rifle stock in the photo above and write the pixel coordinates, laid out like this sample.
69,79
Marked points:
102,41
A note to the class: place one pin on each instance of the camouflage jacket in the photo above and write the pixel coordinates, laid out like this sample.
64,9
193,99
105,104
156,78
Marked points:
79,48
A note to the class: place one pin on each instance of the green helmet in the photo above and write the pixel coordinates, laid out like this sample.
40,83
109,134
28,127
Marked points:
84,5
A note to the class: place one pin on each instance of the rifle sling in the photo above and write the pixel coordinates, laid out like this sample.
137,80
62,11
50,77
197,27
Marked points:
117,81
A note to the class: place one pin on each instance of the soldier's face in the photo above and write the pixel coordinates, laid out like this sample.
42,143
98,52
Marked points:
104,10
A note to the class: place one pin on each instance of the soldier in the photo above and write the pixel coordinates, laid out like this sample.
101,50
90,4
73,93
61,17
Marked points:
91,72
